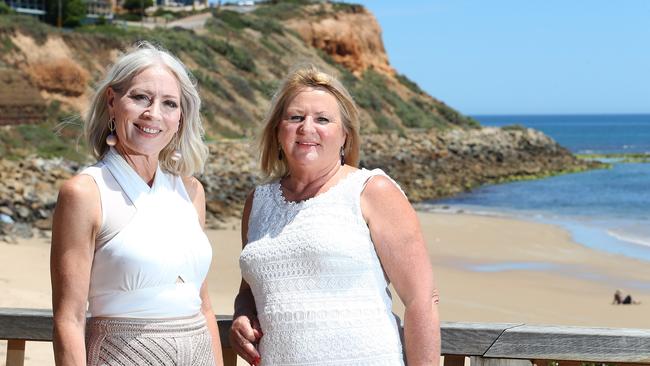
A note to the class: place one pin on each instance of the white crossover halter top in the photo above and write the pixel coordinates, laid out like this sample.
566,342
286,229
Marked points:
151,254
321,295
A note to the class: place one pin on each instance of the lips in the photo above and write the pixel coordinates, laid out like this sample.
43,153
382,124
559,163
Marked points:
306,143
148,129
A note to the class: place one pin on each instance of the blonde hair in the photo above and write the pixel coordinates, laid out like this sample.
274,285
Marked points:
189,138
308,76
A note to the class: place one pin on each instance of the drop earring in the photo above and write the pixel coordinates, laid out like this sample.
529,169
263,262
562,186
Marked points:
111,139
176,155
342,156
279,154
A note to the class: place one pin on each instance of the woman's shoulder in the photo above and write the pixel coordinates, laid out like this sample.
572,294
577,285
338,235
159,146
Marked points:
193,187
378,184
80,192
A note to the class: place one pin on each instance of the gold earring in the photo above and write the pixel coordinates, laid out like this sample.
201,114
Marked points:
111,139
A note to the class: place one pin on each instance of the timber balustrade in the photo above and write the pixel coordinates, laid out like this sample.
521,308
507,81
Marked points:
480,344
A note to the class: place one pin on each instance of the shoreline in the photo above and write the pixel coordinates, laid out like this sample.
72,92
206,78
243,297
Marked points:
600,234
488,269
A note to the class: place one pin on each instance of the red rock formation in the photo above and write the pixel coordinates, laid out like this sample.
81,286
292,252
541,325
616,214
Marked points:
352,39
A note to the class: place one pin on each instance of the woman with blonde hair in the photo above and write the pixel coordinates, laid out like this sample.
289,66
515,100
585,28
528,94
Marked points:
322,240
127,237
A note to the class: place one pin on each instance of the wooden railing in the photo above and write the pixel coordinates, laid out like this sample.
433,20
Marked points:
484,344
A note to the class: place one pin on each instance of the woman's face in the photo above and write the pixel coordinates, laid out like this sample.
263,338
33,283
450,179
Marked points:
148,112
311,132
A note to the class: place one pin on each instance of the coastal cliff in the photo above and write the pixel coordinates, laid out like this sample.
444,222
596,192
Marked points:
238,59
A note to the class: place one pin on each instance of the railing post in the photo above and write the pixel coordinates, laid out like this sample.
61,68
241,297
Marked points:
229,357
15,352
482,361
454,360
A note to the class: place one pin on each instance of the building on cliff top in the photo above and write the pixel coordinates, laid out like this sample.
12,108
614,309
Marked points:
95,9
28,7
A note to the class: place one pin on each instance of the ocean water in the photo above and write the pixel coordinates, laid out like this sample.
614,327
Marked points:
607,210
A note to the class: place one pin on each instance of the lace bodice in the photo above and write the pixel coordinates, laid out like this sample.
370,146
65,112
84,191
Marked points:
320,291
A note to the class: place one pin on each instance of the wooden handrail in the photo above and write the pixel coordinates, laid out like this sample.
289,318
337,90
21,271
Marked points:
482,342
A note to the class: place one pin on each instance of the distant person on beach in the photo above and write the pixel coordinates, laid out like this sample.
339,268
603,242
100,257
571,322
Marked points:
127,234
620,300
321,241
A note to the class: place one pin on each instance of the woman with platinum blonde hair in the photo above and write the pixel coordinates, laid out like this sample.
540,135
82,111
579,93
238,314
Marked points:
321,241
127,235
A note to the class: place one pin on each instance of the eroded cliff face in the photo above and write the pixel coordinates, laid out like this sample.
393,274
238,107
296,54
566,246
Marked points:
352,38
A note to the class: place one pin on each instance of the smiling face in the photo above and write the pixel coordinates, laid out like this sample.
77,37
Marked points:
311,132
147,113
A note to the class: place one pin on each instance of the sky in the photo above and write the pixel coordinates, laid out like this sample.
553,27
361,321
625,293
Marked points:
523,56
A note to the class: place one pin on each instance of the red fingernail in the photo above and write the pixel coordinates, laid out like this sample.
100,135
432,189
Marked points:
256,361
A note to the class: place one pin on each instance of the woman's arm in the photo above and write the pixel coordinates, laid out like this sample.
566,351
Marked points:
77,218
196,193
398,240
246,331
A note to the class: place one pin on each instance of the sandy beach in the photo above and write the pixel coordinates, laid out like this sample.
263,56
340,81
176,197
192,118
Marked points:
488,269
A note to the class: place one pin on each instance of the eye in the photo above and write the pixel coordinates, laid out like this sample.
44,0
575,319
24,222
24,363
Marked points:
323,120
171,104
140,98
296,118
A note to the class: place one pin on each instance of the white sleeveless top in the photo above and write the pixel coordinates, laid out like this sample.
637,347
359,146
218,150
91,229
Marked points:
321,295
151,254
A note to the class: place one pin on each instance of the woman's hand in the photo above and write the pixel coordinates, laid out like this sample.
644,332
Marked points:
244,337
245,333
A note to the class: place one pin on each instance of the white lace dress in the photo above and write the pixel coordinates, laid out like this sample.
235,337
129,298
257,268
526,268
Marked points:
319,288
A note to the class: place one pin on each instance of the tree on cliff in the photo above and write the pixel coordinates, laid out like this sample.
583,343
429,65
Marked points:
137,6
73,12
4,8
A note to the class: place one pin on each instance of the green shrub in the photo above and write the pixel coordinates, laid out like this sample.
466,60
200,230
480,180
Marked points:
366,99
267,25
4,8
412,116
239,57
266,88
241,86
515,127
282,10
266,42
454,117
27,25
232,19
347,7
404,80
211,84
384,123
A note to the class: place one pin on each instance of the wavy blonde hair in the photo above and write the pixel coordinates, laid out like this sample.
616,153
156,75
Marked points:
307,76
189,138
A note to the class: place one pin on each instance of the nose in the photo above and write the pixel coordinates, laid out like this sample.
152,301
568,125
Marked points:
154,110
308,124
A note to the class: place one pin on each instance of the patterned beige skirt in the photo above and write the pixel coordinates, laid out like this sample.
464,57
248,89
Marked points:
130,342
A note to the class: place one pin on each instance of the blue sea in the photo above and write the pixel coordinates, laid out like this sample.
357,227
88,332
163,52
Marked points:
607,210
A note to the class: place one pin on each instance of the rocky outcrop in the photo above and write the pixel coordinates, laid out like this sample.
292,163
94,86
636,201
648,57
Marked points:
437,165
28,192
426,165
352,37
